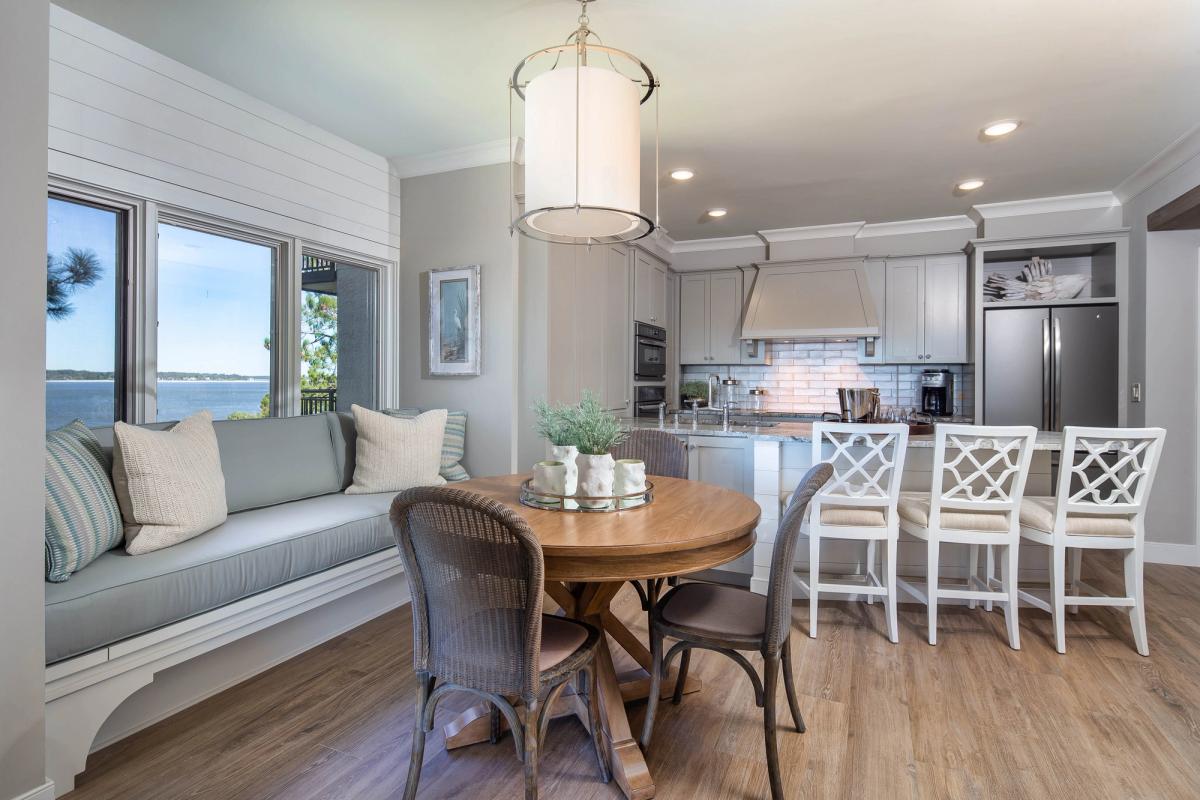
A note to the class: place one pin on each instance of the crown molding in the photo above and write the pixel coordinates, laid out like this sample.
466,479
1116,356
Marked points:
721,243
905,227
1183,149
1045,205
474,155
841,229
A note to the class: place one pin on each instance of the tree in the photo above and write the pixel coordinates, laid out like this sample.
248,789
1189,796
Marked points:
78,268
318,341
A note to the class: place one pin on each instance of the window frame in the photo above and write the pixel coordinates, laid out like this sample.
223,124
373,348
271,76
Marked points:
130,213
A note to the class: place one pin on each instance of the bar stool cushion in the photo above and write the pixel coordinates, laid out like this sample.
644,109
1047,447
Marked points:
855,516
719,610
914,508
560,638
1038,513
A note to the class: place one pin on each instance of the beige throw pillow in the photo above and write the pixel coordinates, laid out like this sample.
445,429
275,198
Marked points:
394,454
168,483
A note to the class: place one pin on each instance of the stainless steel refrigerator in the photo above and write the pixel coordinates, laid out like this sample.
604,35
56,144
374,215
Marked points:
1050,367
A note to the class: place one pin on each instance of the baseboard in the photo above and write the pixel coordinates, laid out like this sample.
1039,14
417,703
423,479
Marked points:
1183,555
43,792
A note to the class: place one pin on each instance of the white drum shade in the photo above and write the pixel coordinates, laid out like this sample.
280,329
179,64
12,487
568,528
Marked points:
609,155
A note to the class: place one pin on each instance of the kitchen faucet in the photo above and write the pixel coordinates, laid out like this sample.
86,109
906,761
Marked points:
714,381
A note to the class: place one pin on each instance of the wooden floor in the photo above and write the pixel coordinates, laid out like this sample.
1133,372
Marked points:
969,718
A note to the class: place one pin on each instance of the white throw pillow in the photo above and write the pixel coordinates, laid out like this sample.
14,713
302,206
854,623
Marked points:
394,454
168,483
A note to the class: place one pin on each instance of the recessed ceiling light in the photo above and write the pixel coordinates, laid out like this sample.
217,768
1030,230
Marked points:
717,212
682,174
970,185
1001,128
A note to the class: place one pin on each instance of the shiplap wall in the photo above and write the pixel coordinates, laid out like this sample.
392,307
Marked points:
127,118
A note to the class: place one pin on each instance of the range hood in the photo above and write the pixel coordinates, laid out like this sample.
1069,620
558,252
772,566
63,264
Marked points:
811,300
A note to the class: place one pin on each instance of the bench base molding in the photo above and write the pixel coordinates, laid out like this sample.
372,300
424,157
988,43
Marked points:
82,693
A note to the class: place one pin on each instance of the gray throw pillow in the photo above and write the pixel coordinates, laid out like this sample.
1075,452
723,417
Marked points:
83,519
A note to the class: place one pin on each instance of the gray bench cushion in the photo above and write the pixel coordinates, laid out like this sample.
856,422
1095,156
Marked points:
119,595
270,461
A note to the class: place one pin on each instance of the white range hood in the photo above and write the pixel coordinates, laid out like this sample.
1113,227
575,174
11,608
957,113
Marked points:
811,300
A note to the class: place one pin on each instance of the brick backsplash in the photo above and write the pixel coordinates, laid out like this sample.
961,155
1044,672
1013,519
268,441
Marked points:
804,377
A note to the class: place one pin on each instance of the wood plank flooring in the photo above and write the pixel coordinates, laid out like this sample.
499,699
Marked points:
969,718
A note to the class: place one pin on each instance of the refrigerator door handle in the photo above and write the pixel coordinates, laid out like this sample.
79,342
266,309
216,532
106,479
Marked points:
1046,375
1057,375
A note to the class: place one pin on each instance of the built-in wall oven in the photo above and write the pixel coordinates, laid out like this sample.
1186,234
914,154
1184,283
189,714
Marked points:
650,349
648,399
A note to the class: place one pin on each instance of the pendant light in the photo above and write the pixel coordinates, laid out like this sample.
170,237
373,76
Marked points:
583,141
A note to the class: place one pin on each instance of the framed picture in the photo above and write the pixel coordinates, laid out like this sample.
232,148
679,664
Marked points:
454,321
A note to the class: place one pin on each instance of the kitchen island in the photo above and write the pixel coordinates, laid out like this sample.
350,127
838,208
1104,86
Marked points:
767,462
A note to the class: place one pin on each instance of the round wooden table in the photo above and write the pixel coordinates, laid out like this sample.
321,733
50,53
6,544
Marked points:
690,526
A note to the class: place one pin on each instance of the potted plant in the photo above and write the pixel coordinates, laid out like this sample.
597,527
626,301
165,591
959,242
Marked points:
692,390
595,432
552,423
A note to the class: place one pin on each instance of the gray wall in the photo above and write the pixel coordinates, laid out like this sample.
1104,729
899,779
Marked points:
24,68
1163,351
454,219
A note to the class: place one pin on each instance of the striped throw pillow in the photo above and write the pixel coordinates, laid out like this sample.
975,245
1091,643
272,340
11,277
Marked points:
454,442
83,520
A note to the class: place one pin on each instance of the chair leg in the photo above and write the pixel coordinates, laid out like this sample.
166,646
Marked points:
932,589
972,570
814,577
870,568
1075,560
789,685
892,623
531,750
656,670
685,661
592,699
417,757
990,567
771,685
1058,555
1008,578
494,721
1133,588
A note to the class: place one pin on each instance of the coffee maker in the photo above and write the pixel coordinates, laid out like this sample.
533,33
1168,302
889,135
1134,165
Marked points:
937,392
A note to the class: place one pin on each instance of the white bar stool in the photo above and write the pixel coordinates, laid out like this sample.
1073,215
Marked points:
1100,504
975,500
858,503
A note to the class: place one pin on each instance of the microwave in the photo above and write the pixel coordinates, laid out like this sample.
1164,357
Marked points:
650,352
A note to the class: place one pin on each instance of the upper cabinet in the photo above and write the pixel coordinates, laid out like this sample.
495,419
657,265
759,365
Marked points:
649,289
925,310
710,317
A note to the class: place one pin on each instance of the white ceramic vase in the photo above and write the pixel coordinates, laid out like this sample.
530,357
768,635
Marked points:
629,477
567,454
549,477
595,480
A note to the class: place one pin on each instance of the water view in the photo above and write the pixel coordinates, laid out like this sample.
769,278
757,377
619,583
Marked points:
92,401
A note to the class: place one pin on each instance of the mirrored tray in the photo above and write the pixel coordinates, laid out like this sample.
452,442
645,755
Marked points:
576,503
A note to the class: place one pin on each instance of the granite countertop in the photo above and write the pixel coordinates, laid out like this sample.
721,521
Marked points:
795,432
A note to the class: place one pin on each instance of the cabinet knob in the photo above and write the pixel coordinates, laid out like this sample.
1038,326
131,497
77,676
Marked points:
928,356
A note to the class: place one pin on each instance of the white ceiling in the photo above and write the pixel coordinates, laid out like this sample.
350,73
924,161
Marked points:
792,113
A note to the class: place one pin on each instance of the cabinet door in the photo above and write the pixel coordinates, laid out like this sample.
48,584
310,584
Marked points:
617,329
945,309
725,317
693,319
904,325
643,287
721,461
658,293
590,341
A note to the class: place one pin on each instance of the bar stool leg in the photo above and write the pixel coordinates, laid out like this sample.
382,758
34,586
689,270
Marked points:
1008,579
1058,555
931,585
990,567
870,568
892,623
972,571
1133,588
1075,560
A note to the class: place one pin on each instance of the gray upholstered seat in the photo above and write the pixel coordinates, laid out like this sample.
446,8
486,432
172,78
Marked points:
719,610
119,595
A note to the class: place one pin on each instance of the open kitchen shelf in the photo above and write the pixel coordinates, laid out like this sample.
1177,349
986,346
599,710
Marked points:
1096,260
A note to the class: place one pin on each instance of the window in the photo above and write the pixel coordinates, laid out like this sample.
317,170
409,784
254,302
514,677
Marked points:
215,319
338,335
84,271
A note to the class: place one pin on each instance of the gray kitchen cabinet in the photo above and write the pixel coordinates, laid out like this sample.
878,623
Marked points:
925,310
649,289
710,318
722,461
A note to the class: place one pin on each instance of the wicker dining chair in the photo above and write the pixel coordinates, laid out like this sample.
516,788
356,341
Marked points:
728,619
664,454
476,573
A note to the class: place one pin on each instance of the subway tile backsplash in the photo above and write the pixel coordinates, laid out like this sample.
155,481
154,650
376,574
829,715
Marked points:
803,377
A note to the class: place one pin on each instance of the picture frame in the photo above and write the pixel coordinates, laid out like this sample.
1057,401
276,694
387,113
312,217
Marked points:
454,332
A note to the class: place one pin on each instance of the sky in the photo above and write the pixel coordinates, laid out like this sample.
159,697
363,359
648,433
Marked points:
214,298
